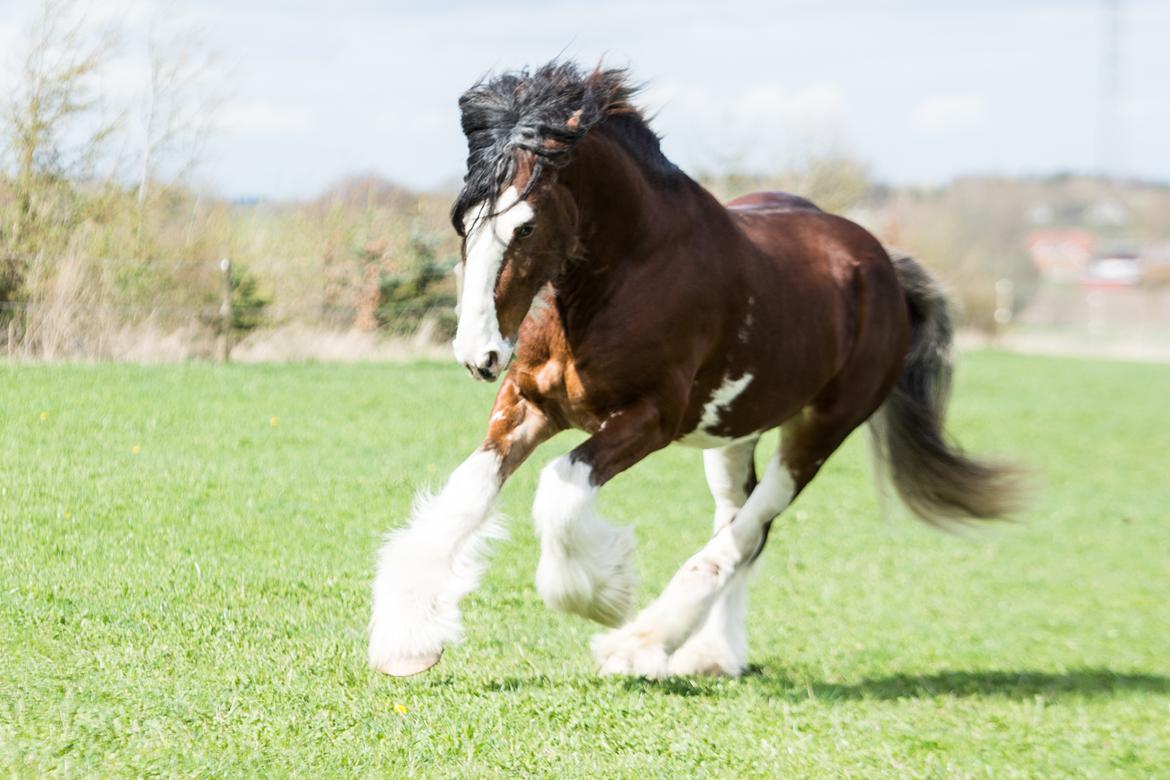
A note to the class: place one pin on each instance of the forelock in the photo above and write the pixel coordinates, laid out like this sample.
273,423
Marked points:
543,113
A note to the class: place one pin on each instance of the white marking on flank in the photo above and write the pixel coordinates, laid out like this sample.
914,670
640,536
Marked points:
713,410
745,330
722,399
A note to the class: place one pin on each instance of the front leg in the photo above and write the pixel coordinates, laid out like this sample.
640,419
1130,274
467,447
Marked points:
425,568
585,563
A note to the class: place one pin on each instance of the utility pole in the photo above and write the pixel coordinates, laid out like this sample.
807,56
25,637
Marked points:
1109,135
225,311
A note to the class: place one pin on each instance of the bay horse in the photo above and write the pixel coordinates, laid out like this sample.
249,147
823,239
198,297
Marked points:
644,312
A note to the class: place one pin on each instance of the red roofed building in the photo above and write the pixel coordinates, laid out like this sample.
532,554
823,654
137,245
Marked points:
1061,253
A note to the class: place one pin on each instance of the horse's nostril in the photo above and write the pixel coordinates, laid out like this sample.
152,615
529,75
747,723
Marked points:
487,367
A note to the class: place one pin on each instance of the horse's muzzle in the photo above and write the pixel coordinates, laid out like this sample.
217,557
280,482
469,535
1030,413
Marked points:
487,368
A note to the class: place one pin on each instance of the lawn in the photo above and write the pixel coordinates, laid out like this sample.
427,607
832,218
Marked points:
186,552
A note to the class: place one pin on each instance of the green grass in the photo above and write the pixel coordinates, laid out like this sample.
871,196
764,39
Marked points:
197,606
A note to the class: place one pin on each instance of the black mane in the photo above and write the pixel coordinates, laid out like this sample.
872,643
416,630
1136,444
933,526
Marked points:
545,112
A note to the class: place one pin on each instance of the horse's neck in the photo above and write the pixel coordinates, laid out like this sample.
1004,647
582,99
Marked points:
626,218
616,202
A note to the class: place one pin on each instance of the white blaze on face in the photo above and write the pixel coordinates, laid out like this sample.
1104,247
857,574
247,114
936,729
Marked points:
488,238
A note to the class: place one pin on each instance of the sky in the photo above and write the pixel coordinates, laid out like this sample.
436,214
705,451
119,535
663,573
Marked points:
920,90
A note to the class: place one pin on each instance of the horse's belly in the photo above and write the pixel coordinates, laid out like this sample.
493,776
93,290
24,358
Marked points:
701,440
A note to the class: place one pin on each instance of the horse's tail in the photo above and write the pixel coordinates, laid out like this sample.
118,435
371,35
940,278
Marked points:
932,475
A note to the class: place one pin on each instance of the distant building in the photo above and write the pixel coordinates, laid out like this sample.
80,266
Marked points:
1062,254
1113,270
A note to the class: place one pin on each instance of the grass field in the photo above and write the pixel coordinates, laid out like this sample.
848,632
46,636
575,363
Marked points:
186,552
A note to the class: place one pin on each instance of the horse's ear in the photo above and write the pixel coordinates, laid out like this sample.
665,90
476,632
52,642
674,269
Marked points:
560,142
607,91
594,101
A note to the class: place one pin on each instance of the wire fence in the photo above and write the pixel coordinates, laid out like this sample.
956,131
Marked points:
80,308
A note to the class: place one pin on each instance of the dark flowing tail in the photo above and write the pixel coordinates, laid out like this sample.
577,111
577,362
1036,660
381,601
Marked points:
931,474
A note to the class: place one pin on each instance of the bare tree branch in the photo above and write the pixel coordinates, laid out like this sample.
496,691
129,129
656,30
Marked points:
54,124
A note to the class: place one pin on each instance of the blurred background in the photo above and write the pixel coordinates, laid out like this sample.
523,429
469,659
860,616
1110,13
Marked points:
187,179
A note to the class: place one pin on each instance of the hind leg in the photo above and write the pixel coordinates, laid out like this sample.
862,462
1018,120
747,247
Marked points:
666,624
719,647
668,621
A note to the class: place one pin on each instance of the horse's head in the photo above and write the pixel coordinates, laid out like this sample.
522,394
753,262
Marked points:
512,247
519,226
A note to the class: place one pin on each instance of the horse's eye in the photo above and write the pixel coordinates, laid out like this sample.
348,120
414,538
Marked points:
525,230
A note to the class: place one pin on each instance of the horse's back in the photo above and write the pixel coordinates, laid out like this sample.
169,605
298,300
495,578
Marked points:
840,290
771,201
794,232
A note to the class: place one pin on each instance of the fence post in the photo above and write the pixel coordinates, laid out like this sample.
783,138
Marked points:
1004,305
225,312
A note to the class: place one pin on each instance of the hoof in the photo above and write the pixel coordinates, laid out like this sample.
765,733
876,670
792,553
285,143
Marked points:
696,659
409,665
620,653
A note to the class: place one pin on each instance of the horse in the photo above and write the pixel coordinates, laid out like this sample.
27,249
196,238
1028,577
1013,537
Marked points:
642,311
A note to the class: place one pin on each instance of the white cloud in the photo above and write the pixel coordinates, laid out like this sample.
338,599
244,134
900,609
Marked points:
125,78
266,118
1140,108
762,107
752,82
415,120
8,45
8,35
949,113
758,125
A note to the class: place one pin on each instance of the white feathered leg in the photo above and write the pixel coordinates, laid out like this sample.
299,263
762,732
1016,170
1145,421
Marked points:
425,568
585,563
719,647
641,646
